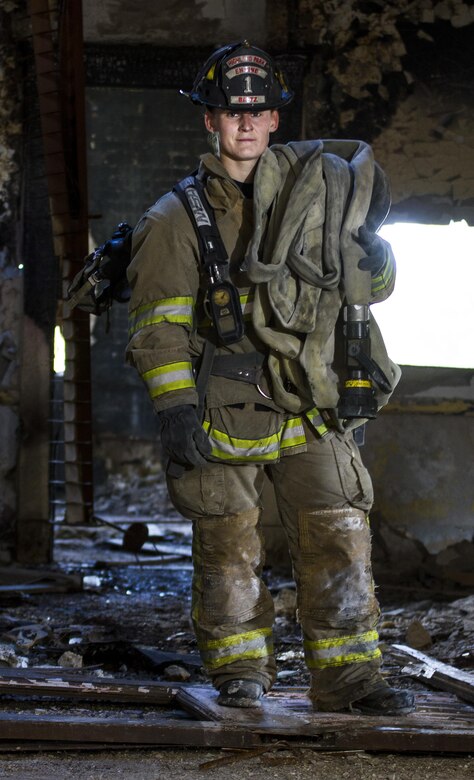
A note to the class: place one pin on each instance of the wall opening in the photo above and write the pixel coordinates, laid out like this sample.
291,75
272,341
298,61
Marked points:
427,321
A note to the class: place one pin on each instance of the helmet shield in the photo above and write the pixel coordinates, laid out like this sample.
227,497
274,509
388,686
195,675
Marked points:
240,77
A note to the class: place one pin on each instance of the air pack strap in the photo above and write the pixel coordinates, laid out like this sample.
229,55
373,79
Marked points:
222,296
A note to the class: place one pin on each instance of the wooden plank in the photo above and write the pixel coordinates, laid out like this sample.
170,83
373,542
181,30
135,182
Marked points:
201,702
134,731
24,682
433,672
439,724
44,746
399,740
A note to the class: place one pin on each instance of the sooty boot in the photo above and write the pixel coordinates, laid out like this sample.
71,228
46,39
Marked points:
240,693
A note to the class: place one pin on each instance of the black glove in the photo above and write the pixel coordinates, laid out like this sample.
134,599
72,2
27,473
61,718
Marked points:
182,438
374,247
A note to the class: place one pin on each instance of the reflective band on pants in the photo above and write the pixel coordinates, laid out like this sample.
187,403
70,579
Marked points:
251,644
337,651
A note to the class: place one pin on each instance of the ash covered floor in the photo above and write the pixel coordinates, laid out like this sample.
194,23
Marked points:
115,614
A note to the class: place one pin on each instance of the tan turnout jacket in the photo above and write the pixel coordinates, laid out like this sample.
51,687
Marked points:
280,246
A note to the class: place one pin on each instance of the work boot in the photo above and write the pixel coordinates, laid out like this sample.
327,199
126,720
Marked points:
385,701
240,693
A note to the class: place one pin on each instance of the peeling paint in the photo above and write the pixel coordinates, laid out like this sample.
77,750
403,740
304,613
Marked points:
362,77
423,159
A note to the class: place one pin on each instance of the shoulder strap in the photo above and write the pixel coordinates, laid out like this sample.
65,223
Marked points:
191,193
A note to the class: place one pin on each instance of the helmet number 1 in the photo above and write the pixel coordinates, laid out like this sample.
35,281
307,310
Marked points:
248,85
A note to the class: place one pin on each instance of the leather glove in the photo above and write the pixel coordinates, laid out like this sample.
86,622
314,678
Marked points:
182,438
374,247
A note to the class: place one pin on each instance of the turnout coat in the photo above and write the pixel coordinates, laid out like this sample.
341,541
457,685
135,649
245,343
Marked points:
293,255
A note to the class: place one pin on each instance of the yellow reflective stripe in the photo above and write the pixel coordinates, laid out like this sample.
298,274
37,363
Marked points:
210,72
226,650
385,277
172,376
227,447
235,639
357,383
246,302
356,648
314,417
293,433
339,641
341,660
174,310
229,659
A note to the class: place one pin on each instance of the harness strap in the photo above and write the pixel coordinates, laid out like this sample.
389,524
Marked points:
191,193
245,367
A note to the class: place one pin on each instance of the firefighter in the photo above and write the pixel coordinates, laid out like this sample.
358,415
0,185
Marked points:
271,397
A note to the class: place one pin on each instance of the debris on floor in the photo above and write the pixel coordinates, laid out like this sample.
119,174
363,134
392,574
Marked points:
190,716
122,648
14,579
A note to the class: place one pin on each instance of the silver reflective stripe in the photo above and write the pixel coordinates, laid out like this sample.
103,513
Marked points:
293,433
200,214
173,376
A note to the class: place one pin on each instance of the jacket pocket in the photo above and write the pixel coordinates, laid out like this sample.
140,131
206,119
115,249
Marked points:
244,433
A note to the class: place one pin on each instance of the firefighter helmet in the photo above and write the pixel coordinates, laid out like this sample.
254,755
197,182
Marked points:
240,77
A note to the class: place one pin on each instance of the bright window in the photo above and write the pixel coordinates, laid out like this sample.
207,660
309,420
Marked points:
428,319
59,351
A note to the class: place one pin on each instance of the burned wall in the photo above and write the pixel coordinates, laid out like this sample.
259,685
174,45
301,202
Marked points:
395,74
177,23
28,282
399,75
10,275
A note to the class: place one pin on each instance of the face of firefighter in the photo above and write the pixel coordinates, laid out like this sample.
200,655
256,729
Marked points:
243,137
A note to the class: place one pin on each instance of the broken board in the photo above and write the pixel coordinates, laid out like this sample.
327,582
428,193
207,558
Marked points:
190,716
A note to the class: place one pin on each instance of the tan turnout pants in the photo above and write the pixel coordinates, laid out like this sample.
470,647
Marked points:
323,496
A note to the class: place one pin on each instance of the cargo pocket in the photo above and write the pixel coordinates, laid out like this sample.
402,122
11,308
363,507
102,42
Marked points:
355,479
199,492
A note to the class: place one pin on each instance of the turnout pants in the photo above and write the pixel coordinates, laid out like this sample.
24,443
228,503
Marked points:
323,496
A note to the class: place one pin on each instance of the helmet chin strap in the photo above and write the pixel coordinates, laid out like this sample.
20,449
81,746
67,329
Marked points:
214,142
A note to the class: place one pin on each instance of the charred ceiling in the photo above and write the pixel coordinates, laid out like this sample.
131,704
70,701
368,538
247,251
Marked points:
368,59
